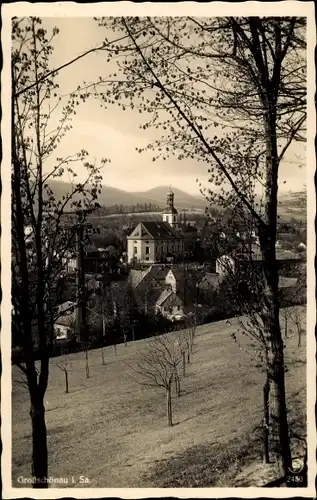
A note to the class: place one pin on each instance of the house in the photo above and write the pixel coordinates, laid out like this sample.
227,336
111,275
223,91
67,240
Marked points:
207,287
159,272
145,289
65,324
170,305
158,290
175,279
209,281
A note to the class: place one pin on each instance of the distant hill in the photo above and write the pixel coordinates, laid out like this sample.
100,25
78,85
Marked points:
291,204
182,199
114,196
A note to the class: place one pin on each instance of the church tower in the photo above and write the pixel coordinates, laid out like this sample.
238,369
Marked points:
170,213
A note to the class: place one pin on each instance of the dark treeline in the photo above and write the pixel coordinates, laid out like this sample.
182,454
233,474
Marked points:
127,209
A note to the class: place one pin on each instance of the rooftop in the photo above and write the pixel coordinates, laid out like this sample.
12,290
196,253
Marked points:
210,279
159,272
66,312
163,296
136,276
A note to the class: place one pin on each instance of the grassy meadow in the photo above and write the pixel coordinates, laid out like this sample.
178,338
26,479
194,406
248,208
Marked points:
113,430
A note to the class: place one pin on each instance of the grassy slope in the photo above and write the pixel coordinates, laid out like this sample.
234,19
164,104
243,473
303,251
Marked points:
113,430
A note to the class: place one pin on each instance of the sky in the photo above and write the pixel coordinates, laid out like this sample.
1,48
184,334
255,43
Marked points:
115,134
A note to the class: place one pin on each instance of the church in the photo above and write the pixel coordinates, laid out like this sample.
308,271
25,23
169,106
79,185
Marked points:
157,241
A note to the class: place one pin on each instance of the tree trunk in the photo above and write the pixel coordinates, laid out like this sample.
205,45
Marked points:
103,356
115,349
66,381
188,354
276,372
184,363
266,422
169,406
87,364
177,385
285,328
270,309
39,442
278,414
299,343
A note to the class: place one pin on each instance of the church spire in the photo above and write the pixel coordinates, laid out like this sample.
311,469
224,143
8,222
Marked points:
170,213
170,198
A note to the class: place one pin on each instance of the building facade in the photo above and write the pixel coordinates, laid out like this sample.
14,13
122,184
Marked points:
152,242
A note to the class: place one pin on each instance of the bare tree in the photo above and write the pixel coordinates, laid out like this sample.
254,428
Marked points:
65,366
158,364
184,361
86,351
246,77
191,326
177,358
286,315
296,318
186,342
41,244
97,324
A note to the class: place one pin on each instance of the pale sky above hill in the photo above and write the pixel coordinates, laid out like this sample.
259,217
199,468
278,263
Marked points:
114,134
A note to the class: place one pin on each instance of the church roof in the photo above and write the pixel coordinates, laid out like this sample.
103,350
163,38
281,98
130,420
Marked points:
159,230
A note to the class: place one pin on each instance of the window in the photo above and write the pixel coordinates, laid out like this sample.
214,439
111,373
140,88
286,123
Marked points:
147,242
135,242
135,250
146,258
147,250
